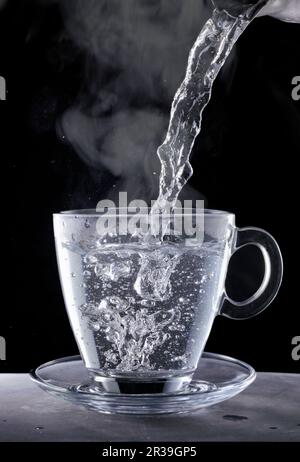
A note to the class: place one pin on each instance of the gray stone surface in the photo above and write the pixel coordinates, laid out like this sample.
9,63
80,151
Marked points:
269,410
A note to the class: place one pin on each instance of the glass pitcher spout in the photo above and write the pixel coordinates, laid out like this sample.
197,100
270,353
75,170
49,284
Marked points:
247,8
285,10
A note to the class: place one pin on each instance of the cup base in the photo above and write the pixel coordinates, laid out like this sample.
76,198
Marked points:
137,386
216,379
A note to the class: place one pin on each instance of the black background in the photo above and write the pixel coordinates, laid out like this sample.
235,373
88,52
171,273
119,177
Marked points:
249,148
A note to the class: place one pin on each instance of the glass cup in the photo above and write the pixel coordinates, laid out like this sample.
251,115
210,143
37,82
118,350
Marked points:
142,309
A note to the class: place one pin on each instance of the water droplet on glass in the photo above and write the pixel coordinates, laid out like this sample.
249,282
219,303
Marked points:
87,223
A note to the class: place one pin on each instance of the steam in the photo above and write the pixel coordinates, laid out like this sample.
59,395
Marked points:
135,57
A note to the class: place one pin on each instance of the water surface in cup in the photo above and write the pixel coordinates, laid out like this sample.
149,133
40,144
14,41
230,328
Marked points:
142,309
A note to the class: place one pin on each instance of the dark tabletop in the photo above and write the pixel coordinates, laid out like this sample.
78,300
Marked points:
269,410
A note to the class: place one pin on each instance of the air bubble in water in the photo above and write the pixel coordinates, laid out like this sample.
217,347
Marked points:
96,326
103,305
107,266
101,269
153,279
147,303
90,258
118,303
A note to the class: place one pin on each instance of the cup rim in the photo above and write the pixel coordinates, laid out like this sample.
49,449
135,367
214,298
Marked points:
117,211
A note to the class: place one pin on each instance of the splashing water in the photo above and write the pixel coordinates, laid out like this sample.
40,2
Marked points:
133,334
206,58
138,305
141,309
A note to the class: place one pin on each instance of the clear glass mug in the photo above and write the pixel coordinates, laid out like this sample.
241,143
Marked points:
141,312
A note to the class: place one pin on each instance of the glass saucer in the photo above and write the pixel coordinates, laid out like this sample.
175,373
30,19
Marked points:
216,379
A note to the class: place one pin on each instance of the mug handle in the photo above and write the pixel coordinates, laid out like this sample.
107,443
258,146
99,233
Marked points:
272,277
